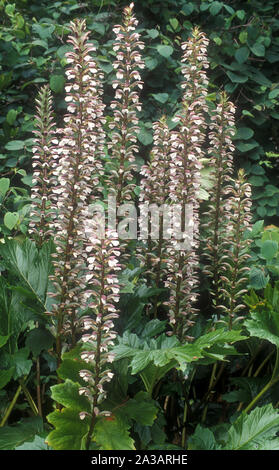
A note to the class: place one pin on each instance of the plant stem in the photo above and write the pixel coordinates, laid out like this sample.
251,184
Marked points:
39,396
28,397
273,380
12,404
183,440
211,383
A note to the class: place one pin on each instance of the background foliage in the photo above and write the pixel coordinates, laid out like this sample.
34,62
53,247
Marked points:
244,55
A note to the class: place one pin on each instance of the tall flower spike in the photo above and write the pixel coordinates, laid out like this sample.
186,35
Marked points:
154,194
124,125
218,216
186,154
101,298
43,165
78,148
234,276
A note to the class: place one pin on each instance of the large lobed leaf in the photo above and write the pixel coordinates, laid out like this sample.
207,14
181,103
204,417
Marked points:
255,431
31,265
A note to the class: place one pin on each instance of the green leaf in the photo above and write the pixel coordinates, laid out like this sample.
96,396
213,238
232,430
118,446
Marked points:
244,133
31,265
36,444
247,146
174,24
21,363
202,439
258,49
187,9
57,83
11,219
273,93
243,36
269,249
43,30
215,8
153,33
67,394
141,409
70,431
15,435
3,340
5,376
250,431
150,62
235,78
240,14
242,54
257,278
15,145
165,51
4,186
112,433
11,116
161,97
39,339
145,137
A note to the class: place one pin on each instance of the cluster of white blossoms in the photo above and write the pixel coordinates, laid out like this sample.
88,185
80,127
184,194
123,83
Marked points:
101,297
124,125
185,165
43,165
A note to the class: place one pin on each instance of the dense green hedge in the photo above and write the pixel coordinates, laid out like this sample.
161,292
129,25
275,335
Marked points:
243,52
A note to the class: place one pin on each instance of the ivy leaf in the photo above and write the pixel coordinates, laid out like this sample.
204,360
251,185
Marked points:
250,431
111,433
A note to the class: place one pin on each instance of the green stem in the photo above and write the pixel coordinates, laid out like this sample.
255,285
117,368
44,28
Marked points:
273,380
183,440
28,397
12,404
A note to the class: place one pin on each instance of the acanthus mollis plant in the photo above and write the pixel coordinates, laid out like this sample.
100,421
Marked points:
235,273
154,196
78,164
220,151
102,295
122,145
43,164
185,166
